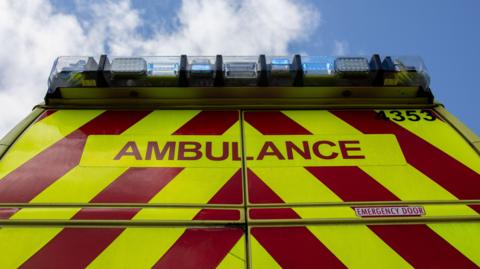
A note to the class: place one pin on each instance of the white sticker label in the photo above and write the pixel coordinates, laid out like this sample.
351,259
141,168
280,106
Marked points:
389,211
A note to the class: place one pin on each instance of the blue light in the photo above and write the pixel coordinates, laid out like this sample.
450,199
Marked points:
316,67
280,61
201,67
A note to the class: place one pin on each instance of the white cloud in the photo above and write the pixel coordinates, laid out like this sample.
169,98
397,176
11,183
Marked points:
34,34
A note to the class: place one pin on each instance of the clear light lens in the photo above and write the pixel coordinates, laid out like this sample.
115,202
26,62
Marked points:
351,64
129,66
162,69
240,70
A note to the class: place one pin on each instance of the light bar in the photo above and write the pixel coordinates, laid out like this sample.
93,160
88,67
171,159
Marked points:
238,71
129,67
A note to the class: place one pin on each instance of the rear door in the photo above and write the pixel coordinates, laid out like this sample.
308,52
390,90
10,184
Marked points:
361,189
124,189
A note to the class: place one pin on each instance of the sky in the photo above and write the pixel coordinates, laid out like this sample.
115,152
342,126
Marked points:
444,33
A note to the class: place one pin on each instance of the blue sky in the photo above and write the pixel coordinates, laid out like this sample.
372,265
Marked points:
442,32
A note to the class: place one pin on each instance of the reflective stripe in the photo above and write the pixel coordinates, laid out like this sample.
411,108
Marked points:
274,123
43,134
358,247
72,247
295,247
321,122
209,123
464,237
260,257
19,244
137,248
188,186
431,161
236,257
305,189
79,185
161,122
421,247
60,157
442,136
200,248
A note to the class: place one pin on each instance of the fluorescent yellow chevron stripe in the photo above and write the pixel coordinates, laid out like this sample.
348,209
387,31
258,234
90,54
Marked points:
407,183
249,130
137,248
358,247
307,188
441,135
236,257
260,257
194,186
19,244
463,236
161,122
321,122
44,134
81,184
327,212
233,131
166,213
188,187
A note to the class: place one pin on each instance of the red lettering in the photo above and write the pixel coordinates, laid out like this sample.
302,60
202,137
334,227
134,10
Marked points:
209,152
345,149
269,149
130,149
305,153
189,147
316,150
152,146
235,154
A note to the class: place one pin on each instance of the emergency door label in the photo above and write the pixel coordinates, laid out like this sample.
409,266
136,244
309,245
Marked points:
261,151
389,211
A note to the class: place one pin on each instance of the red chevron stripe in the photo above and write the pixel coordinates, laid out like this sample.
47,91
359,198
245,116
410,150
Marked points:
291,247
6,213
200,248
421,247
45,114
78,247
273,213
259,192
352,183
230,193
452,175
417,244
27,181
209,123
136,185
295,247
274,123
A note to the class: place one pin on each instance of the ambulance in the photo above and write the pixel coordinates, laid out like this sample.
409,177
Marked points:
239,162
